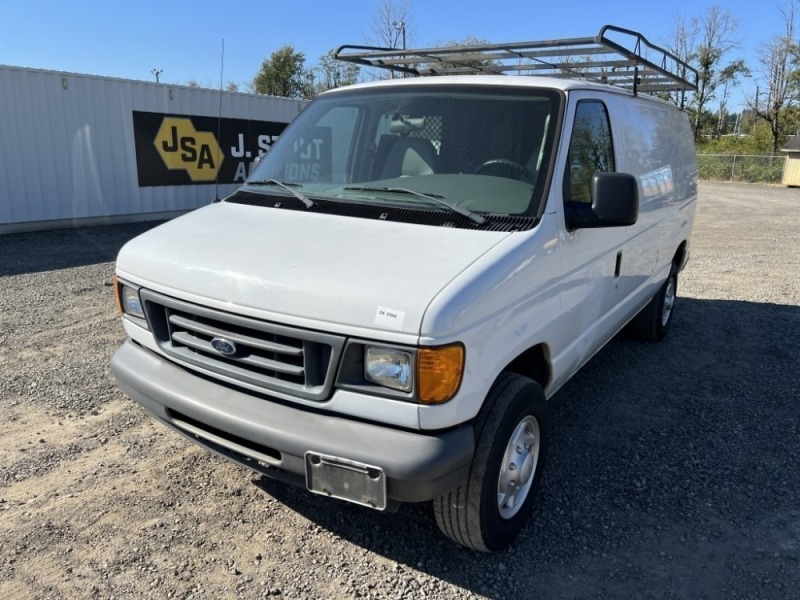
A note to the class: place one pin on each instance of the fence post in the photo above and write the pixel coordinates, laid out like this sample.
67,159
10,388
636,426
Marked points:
733,167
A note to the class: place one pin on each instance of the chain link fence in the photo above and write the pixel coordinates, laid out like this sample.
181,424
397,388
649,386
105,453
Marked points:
750,168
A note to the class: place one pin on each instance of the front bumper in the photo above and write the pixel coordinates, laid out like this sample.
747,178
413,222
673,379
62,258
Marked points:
272,437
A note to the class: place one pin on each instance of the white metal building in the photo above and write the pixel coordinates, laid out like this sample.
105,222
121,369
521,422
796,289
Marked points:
81,149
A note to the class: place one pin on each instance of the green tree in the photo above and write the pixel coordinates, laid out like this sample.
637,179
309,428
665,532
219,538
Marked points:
194,83
729,79
757,141
682,44
704,43
481,65
332,73
284,74
778,68
391,27
717,29
791,122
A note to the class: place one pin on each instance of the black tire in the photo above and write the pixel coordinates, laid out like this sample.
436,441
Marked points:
652,323
471,514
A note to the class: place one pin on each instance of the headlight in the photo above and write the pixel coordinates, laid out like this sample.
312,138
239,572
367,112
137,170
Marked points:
388,367
128,300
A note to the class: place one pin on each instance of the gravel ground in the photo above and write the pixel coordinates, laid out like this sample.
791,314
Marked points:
673,471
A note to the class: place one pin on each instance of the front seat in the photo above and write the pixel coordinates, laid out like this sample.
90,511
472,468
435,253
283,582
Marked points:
408,157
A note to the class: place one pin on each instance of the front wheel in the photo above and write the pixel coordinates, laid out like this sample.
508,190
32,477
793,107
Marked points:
492,506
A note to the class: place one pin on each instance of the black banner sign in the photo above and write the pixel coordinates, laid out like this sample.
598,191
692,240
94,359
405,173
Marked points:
184,150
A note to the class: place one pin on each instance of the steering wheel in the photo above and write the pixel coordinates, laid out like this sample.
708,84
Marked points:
505,165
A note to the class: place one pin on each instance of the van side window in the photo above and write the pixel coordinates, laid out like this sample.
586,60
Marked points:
590,150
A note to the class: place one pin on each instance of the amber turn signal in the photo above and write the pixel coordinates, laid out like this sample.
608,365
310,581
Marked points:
117,295
439,372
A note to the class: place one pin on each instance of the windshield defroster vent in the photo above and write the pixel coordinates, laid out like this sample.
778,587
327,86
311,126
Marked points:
360,210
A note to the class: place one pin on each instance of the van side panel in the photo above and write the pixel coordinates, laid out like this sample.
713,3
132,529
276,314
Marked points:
653,142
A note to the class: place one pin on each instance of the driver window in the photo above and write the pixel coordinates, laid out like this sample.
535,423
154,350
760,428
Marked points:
590,150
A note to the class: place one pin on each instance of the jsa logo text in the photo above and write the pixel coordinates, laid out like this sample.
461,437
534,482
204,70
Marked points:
181,146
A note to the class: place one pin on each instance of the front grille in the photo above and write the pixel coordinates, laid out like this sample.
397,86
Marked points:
268,356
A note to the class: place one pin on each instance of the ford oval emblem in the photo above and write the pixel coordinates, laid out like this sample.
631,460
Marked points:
223,346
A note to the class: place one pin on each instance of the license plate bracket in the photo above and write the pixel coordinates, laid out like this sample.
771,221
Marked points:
346,479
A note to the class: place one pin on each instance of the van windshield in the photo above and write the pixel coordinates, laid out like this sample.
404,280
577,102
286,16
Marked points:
484,150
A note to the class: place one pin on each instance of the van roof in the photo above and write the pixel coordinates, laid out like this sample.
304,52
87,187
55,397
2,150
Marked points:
564,85
614,57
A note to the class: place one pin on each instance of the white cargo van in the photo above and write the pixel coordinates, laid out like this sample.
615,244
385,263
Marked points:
383,308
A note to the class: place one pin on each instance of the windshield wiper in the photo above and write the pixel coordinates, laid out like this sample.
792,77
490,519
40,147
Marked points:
440,200
286,185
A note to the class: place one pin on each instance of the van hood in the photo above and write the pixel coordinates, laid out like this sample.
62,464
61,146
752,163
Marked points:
302,267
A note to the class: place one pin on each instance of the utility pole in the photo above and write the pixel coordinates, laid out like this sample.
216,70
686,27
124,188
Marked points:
157,72
400,26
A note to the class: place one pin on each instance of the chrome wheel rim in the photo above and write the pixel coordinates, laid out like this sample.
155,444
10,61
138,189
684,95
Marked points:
669,301
518,467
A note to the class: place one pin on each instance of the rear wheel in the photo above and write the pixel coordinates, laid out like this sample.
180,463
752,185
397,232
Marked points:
490,508
653,322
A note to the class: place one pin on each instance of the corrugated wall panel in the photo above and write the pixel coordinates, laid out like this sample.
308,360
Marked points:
67,144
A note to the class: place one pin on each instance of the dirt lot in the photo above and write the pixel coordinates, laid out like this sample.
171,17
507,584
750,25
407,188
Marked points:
673,472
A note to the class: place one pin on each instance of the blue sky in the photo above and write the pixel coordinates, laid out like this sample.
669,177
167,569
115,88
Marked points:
183,39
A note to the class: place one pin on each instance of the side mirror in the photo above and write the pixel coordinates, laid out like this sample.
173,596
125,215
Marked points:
615,203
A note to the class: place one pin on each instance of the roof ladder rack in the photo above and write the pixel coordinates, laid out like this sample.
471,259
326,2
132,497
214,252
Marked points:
628,61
